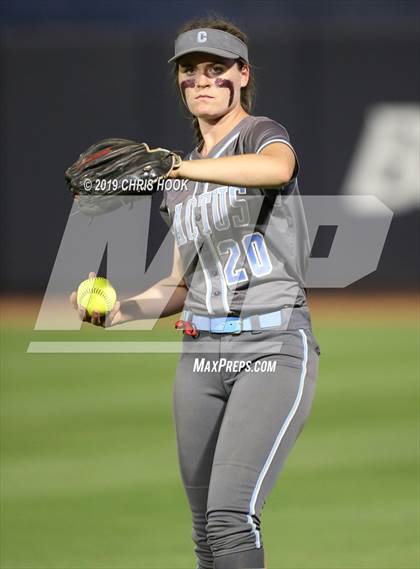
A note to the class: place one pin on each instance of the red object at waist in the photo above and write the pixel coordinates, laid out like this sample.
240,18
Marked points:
187,328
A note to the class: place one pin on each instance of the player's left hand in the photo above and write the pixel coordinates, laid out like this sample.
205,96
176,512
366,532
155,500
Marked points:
115,169
176,172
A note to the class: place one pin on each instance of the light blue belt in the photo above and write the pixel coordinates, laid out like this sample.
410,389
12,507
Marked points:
233,324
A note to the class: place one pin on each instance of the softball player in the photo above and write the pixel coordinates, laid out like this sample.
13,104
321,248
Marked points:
241,243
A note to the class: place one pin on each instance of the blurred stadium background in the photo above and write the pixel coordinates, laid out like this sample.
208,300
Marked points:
89,476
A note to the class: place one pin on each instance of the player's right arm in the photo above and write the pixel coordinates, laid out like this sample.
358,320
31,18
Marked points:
164,298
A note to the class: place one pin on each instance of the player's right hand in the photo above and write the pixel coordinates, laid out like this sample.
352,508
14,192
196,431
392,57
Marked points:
111,319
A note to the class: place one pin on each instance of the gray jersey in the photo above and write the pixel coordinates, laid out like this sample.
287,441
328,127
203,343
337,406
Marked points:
244,250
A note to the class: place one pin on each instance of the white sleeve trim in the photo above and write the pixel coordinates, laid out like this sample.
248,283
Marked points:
274,140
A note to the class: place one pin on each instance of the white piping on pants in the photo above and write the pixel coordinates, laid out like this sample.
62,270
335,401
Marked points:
279,436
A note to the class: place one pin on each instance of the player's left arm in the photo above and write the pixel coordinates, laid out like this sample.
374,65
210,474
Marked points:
272,167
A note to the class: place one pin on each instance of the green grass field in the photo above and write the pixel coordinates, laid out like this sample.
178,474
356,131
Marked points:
89,474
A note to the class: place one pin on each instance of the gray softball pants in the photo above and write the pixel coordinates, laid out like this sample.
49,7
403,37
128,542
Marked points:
240,402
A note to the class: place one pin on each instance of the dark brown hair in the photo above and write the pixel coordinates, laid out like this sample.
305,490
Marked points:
219,23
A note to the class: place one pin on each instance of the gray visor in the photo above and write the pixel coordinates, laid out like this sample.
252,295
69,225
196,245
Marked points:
209,40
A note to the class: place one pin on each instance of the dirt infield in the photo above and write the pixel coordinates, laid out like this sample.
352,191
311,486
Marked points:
336,306
372,305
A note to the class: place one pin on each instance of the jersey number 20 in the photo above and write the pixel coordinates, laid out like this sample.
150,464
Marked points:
256,253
